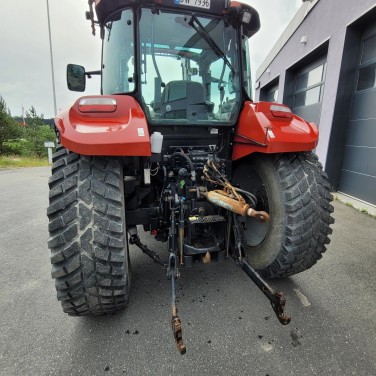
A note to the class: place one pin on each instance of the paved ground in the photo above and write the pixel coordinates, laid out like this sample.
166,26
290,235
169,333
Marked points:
228,325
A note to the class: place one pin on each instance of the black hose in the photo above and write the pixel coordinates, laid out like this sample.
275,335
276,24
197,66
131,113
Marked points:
249,195
191,166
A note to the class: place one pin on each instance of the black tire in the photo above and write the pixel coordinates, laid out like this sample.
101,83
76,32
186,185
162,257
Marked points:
89,248
295,191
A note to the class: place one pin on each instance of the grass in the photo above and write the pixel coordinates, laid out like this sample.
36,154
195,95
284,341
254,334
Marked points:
351,205
363,211
8,161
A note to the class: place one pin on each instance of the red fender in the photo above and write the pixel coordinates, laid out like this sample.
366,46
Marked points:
266,127
105,125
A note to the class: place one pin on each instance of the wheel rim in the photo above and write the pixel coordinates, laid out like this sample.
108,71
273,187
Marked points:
256,231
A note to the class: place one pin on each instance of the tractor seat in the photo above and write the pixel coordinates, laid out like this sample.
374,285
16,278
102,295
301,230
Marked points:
184,100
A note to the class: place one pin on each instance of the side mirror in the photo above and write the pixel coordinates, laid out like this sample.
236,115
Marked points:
76,79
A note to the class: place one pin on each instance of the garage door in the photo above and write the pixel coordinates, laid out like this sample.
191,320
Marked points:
358,173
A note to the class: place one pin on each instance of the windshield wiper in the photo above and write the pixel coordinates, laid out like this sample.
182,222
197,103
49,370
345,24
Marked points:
196,24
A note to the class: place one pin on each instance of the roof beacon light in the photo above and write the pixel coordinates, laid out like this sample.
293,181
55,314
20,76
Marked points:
97,104
246,18
281,111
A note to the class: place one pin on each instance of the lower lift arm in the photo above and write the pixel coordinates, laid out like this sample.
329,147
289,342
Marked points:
277,298
173,274
230,199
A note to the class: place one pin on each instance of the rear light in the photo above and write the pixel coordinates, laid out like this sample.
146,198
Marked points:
280,111
97,104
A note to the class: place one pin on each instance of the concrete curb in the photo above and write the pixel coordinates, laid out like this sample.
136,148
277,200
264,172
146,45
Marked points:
362,206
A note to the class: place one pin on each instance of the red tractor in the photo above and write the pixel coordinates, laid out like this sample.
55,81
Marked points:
175,145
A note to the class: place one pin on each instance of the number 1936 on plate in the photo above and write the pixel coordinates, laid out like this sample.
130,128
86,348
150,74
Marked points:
194,3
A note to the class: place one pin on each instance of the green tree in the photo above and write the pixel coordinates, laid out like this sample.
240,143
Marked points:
9,129
36,133
33,120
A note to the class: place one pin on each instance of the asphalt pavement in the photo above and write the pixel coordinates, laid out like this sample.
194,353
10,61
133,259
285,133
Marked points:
228,325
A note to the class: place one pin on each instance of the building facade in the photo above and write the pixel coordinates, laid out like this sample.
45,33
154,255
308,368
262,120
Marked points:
324,67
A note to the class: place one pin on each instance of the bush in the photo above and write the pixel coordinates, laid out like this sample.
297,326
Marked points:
26,141
20,147
36,138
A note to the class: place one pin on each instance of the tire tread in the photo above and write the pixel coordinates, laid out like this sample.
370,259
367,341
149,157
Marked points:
308,208
87,233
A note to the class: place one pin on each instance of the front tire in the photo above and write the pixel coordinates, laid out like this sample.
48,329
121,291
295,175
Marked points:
295,191
89,249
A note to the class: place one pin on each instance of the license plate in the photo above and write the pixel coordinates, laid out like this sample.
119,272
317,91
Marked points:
194,3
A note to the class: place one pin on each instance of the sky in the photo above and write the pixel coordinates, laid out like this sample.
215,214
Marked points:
25,65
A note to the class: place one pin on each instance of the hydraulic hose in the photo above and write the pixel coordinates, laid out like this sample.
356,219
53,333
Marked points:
191,166
249,195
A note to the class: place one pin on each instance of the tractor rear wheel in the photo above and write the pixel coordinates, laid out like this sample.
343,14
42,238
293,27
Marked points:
89,248
295,191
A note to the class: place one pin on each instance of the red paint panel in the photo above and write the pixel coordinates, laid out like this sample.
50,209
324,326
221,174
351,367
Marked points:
123,132
274,134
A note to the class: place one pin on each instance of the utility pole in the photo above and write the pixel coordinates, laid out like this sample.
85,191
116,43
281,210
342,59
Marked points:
51,56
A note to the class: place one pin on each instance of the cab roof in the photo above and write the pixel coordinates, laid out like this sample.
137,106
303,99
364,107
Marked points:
235,9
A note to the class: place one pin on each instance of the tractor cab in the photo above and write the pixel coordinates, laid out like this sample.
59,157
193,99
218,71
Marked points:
185,61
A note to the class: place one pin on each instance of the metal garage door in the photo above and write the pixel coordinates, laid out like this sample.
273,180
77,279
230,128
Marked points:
358,173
